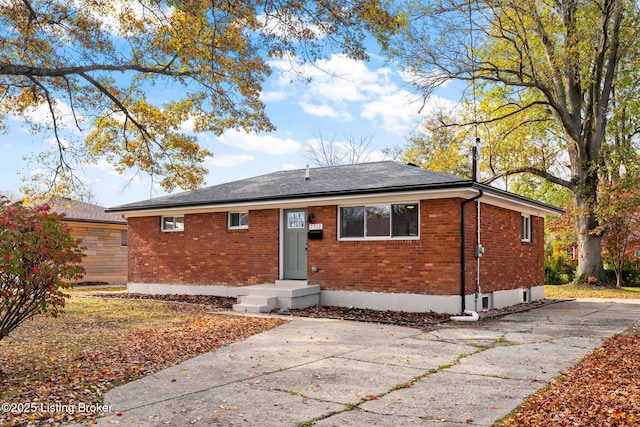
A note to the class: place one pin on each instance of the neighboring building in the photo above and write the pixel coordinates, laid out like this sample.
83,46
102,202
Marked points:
374,235
104,237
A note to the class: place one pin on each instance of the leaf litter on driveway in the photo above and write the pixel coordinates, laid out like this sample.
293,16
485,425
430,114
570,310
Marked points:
56,370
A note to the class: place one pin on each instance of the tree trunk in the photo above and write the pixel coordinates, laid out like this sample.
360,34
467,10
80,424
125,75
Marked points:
590,268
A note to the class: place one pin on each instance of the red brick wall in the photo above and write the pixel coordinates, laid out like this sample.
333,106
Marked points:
431,264
207,252
508,262
426,266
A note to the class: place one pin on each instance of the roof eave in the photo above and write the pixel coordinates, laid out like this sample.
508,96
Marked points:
391,189
539,208
95,221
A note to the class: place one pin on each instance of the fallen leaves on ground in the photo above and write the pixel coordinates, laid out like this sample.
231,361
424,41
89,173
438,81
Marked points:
220,303
400,318
367,315
590,291
52,369
602,390
390,317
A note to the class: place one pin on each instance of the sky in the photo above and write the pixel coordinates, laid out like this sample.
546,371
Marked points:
345,99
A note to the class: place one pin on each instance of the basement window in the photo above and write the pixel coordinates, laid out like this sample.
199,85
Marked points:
172,223
394,221
238,220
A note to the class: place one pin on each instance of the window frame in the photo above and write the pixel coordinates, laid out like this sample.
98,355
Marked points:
389,205
171,230
526,229
240,226
124,238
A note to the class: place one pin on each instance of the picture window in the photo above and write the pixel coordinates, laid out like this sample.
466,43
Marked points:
393,221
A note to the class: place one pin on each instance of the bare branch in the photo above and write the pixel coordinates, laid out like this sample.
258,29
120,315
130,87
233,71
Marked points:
534,171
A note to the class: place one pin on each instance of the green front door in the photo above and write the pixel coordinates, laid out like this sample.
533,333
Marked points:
295,244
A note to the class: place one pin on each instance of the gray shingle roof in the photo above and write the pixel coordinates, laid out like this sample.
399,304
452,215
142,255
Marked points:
84,212
332,180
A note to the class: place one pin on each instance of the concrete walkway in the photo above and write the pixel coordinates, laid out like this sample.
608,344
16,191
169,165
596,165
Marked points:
340,373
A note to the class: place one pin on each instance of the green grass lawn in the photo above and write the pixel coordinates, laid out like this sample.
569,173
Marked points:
588,291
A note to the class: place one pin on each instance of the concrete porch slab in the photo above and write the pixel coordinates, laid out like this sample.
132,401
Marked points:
287,294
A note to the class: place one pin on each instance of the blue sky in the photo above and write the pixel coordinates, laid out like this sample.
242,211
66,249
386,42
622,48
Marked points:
345,99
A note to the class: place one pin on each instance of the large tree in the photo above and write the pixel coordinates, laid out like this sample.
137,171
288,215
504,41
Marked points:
557,59
118,79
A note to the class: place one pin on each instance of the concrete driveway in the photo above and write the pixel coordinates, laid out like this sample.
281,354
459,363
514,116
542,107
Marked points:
339,373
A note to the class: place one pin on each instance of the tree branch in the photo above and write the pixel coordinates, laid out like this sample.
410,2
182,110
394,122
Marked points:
9,69
117,102
534,171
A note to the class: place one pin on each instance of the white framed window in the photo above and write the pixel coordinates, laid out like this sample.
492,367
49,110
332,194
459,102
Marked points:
123,238
172,223
526,228
382,221
238,220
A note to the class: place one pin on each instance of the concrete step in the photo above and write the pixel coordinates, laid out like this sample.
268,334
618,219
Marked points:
255,304
282,294
291,283
279,289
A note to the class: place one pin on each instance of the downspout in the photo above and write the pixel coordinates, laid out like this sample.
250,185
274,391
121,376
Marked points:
479,252
463,278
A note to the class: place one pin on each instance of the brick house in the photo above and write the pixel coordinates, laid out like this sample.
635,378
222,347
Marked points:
377,235
104,238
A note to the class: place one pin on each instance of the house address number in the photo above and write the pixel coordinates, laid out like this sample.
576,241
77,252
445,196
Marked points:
315,226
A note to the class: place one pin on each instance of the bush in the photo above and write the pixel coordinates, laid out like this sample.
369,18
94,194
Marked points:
630,275
559,271
38,260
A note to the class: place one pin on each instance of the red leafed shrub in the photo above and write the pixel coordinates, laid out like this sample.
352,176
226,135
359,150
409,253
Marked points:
38,260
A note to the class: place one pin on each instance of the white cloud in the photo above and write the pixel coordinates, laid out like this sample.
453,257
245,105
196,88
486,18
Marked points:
324,111
273,96
399,111
63,113
152,15
253,142
38,172
376,156
62,141
188,125
395,111
337,79
339,85
230,160
101,164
